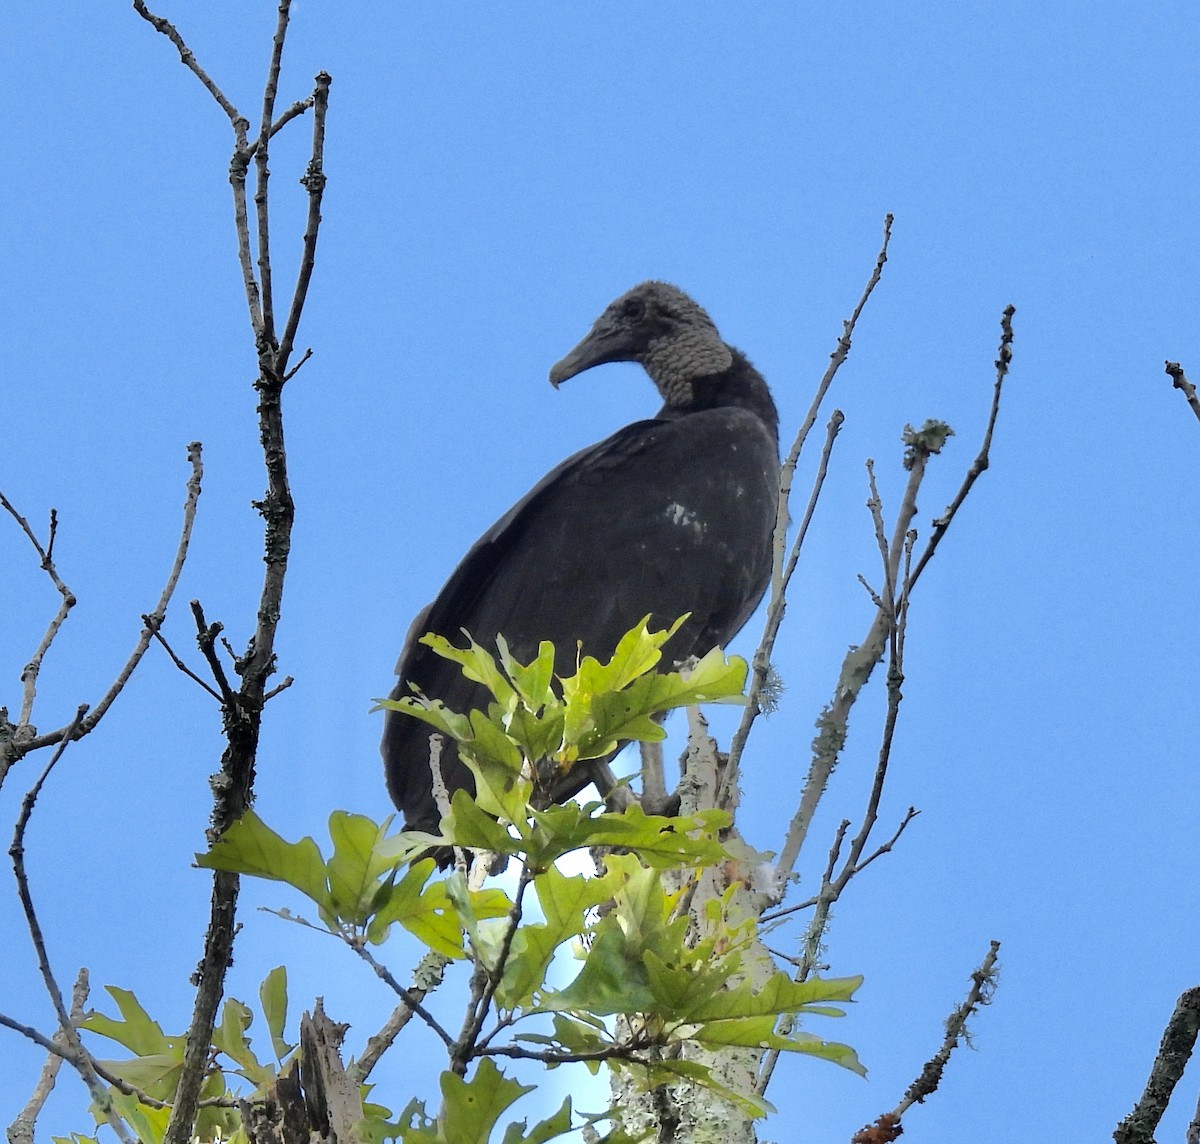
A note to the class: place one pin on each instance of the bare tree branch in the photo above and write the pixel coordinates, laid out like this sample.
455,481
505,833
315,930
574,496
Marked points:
411,997
983,985
983,459
1179,381
783,565
21,1129
1178,1042
179,662
79,1056
242,711
14,746
426,978
778,605
187,58
860,661
314,182
46,560
263,173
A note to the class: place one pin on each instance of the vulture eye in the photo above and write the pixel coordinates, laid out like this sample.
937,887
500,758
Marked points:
634,309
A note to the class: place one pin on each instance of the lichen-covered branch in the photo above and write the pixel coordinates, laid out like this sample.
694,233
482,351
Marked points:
860,661
426,978
784,562
983,985
1178,1042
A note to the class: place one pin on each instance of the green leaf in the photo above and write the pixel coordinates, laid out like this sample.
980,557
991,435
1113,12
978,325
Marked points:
663,842
557,1125
356,871
431,711
155,1074
611,980
467,825
531,682
780,994
566,899
495,761
150,1124
477,664
272,993
424,910
679,989
137,1032
667,1071
229,1037
471,1108
474,908
574,1033
249,846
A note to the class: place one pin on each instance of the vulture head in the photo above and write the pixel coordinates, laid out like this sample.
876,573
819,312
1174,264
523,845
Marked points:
659,326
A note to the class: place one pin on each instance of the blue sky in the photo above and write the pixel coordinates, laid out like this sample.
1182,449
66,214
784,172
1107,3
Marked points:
498,174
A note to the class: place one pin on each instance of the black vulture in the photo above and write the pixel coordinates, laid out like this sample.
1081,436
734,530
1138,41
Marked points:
669,515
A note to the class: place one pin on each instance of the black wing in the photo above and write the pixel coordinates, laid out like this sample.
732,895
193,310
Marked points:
664,517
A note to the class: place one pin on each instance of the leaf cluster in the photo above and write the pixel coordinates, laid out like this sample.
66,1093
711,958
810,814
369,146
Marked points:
652,975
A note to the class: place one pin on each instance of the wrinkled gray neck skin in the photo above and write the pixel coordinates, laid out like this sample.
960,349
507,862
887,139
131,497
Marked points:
675,361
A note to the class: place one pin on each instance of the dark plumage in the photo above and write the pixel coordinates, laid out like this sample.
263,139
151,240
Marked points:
666,516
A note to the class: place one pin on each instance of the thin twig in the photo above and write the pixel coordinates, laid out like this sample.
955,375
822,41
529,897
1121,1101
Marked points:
860,661
778,605
486,980
21,1129
156,618
80,1058
263,173
1178,1042
297,367
811,949
206,641
55,1048
983,985
425,979
983,459
411,997
297,109
46,560
1179,381
186,57
233,786
781,571
314,182
179,662
282,685
836,358
620,1051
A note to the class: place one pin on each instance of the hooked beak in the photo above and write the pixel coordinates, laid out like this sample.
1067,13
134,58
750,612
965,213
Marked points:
603,344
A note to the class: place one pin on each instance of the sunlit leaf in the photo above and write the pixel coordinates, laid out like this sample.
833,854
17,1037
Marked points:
249,846
424,910
136,1030
557,1125
272,993
358,866
229,1037
470,1108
